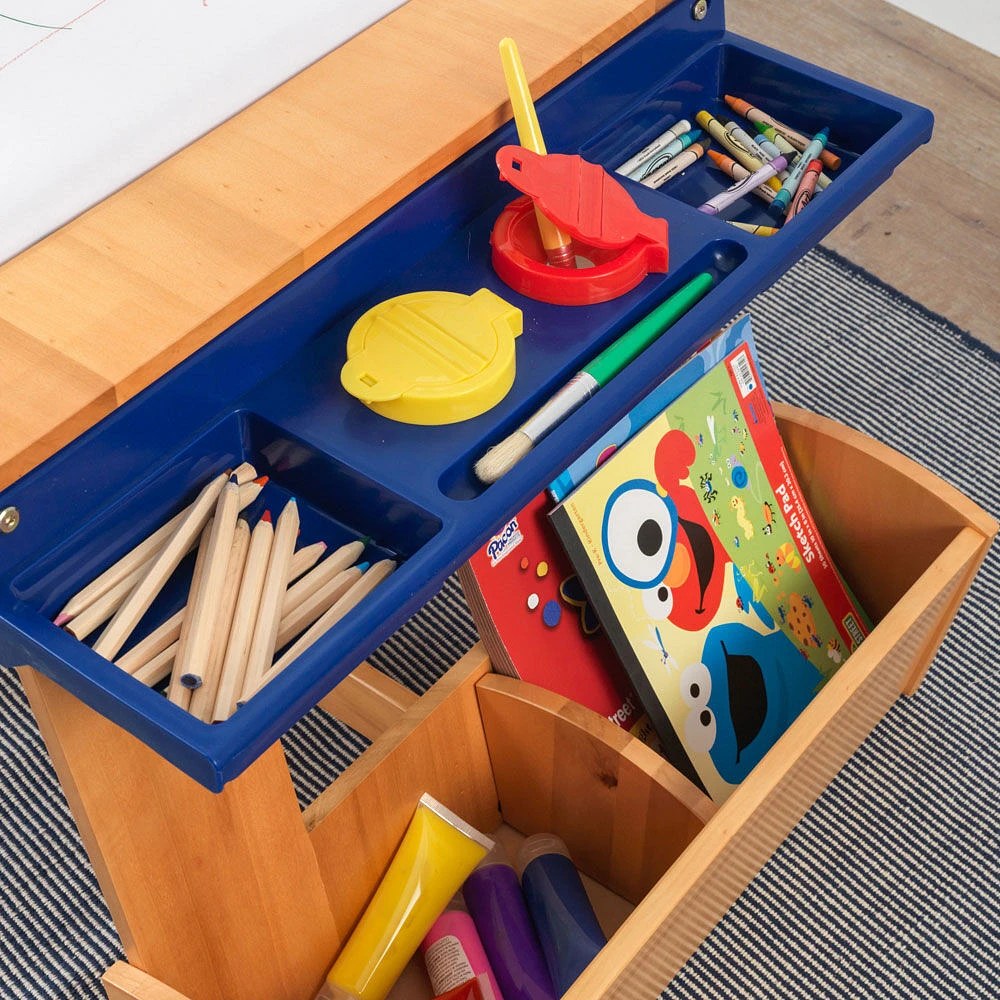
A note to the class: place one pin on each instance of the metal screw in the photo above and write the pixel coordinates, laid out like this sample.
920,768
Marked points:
10,518
699,10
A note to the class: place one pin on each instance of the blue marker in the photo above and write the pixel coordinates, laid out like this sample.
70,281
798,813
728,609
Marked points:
791,182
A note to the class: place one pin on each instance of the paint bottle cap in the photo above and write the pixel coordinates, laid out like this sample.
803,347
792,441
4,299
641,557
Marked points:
496,856
433,357
537,845
331,991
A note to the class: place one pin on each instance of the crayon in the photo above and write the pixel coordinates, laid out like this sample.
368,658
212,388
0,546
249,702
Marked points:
650,150
806,188
749,227
797,139
715,205
717,131
737,172
780,143
791,183
664,155
677,165
748,142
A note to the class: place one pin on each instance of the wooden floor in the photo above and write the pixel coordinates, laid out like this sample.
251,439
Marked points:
933,230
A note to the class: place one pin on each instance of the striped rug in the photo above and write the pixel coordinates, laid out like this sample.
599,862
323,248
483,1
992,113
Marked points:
890,885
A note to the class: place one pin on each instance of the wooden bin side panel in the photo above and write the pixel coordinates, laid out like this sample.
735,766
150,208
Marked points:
437,746
624,813
883,517
217,895
681,910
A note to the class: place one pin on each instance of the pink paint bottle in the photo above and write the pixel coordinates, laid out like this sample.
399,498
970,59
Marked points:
453,953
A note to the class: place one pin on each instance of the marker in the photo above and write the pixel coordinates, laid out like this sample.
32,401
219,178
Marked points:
677,165
807,187
780,143
715,205
791,183
797,139
664,139
737,172
718,132
668,152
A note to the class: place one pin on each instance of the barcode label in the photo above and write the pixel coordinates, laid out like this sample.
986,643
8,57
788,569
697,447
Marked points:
744,374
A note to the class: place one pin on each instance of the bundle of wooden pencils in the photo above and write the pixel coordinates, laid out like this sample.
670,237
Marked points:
252,593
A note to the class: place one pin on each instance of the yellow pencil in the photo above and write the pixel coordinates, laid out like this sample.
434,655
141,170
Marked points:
558,246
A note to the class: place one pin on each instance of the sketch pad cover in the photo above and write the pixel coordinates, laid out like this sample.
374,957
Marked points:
695,546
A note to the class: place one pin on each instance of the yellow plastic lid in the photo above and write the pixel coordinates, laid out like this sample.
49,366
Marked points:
433,357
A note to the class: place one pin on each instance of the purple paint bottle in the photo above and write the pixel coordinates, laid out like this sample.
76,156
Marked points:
567,926
497,907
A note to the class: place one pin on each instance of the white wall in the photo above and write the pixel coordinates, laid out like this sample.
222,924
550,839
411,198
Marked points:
977,21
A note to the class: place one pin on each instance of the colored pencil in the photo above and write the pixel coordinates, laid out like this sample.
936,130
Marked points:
301,615
191,664
176,691
265,633
203,699
364,586
114,636
244,617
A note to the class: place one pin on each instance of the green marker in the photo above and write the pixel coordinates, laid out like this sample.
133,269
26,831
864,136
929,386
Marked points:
621,352
791,182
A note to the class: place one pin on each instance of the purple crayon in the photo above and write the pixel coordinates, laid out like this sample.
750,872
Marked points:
715,205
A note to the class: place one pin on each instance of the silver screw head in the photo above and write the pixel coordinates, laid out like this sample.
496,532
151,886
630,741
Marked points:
10,518
699,10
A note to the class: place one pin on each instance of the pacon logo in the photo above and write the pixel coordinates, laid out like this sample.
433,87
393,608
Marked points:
504,542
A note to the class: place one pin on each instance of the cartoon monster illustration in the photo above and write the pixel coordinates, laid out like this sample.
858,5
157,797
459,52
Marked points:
664,546
768,512
745,692
785,555
708,494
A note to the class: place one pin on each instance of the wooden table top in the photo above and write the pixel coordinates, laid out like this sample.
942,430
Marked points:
92,314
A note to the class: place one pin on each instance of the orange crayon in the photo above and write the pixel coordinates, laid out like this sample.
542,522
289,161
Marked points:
737,172
797,139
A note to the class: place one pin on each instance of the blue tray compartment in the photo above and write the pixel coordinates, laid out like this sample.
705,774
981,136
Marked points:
269,387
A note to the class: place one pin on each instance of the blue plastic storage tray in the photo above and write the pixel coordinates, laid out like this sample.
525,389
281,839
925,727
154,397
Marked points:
267,390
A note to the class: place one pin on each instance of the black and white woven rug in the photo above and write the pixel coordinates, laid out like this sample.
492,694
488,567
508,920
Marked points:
890,885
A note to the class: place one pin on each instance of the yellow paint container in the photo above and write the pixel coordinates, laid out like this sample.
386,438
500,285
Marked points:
436,855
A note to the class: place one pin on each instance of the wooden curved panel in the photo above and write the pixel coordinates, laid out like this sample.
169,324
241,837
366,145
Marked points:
623,811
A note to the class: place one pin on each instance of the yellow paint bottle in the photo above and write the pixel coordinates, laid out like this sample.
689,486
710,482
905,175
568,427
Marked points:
436,855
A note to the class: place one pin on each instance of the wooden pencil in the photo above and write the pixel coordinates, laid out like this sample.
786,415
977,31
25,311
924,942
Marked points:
298,616
157,668
265,633
176,691
368,582
336,562
203,699
191,662
95,614
250,491
305,558
244,617
244,473
138,556
167,634
114,636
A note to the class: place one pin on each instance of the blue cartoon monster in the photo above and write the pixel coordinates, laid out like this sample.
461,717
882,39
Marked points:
743,695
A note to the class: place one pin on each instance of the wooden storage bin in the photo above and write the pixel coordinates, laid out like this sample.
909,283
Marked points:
239,894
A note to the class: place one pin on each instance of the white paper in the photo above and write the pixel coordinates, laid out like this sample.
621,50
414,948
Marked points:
94,93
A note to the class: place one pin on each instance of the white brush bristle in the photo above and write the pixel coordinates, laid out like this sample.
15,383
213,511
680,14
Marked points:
502,457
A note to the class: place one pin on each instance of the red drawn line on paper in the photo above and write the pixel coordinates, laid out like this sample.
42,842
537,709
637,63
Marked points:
54,31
